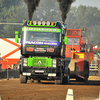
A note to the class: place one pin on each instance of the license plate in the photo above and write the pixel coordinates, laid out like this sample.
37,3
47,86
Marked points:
39,71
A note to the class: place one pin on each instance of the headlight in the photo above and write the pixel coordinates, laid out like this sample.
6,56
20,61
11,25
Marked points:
54,63
43,23
48,23
39,22
34,22
25,62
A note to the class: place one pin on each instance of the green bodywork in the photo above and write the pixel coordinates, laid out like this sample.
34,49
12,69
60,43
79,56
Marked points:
99,54
16,36
38,29
65,40
39,62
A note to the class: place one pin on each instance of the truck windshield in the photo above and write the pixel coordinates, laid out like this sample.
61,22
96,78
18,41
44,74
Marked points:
41,36
73,41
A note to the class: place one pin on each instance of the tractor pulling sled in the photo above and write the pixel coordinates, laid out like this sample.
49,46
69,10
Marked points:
81,54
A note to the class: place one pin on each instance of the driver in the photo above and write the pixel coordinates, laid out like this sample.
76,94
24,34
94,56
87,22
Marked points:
55,37
32,37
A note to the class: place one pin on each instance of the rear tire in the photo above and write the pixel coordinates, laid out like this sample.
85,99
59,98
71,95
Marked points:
86,70
23,79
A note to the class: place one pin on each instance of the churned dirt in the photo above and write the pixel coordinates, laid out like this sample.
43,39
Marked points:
12,89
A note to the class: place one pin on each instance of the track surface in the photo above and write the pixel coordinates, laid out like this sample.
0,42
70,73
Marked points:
47,90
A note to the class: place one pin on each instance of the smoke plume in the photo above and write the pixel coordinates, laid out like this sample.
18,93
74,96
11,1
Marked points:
64,6
31,4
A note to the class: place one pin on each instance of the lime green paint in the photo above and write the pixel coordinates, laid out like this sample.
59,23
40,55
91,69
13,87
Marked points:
16,38
40,62
44,46
99,54
41,29
30,61
42,25
65,40
30,45
16,32
49,62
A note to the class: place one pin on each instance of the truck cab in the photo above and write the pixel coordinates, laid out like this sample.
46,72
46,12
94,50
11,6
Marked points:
41,45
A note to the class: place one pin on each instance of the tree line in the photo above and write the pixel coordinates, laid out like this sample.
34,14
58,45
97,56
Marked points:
15,11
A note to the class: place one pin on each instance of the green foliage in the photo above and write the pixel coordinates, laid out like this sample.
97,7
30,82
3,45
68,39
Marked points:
88,17
8,3
15,14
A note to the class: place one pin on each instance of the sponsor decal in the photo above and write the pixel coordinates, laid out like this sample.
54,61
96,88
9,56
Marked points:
30,49
40,50
41,43
39,62
73,33
50,49
41,29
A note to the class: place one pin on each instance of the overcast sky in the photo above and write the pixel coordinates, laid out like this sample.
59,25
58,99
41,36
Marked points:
93,3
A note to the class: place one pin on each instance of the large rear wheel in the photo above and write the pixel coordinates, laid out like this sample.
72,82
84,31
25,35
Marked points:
86,71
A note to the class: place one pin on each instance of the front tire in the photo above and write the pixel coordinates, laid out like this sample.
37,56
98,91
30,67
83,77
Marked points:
23,79
57,82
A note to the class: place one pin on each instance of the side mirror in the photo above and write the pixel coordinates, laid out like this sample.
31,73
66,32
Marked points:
65,40
16,36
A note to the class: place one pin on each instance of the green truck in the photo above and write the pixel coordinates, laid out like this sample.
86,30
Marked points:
43,52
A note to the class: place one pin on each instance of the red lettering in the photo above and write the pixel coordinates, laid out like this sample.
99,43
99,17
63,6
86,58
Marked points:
29,49
50,49
73,33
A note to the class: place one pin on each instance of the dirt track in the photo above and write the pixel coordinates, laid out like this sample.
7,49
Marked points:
13,90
